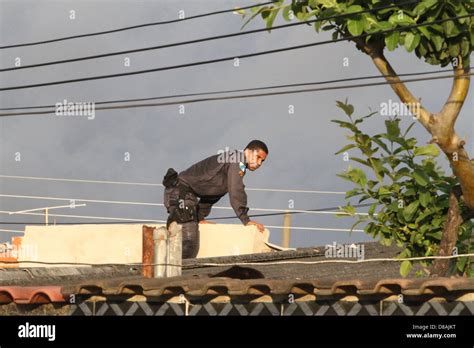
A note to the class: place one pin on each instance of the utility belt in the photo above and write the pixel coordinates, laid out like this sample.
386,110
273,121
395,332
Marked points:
183,211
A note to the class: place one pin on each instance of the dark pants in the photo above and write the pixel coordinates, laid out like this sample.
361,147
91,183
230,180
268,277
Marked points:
190,230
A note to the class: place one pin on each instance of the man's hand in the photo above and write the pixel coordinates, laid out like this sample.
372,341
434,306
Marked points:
260,227
206,222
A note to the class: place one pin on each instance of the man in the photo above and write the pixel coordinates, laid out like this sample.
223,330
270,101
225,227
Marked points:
190,195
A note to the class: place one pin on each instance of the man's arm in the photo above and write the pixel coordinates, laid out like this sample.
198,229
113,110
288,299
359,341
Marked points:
237,195
204,206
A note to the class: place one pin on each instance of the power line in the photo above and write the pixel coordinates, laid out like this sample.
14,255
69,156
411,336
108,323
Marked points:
116,219
262,263
134,27
361,78
292,212
138,220
127,220
11,231
179,102
211,38
212,61
76,200
151,184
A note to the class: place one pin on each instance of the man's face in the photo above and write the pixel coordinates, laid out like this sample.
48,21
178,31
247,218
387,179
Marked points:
255,158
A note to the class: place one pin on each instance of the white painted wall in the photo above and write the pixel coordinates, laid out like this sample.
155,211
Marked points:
118,243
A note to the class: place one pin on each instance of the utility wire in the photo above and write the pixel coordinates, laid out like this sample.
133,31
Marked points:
179,102
11,231
211,38
295,212
133,27
77,200
361,78
262,263
161,221
87,181
212,61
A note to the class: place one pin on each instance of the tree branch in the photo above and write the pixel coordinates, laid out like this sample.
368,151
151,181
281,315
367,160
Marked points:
455,101
441,126
382,64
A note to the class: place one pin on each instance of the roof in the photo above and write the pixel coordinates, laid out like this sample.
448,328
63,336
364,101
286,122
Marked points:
264,277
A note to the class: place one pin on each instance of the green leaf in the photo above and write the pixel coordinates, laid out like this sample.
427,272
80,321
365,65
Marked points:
410,210
355,225
428,150
260,10
437,41
465,47
354,192
424,6
358,176
384,191
425,199
347,108
412,41
405,268
392,127
420,177
327,3
361,161
461,264
383,25
381,144
391,40
449,28
349,209
286,13
354,8
328,27
317,26
347,125
401,18
378,168
355,26
425,32
345,148
454,50
271,18
372,209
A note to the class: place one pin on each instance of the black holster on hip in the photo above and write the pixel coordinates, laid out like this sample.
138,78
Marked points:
183,210
171,178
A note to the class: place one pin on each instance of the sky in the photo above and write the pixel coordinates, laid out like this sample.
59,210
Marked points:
140,144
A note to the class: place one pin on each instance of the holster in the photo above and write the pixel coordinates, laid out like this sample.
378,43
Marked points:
171,178
183,211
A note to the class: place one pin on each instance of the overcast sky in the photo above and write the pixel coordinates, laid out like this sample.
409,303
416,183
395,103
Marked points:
301,145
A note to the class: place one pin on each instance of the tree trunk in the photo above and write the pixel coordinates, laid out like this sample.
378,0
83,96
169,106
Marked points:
441,128
439,125
454,220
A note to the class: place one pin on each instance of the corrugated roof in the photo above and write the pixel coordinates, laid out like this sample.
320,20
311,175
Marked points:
39,285
199,287
238,287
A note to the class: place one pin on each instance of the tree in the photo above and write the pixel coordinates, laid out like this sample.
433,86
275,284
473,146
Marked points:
409,188
450,41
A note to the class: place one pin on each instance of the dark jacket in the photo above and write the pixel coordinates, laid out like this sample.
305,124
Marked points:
212,178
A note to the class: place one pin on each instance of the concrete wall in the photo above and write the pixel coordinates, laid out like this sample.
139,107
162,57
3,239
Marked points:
117,243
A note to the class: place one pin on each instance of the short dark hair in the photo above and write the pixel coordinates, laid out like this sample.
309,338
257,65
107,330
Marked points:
257,145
